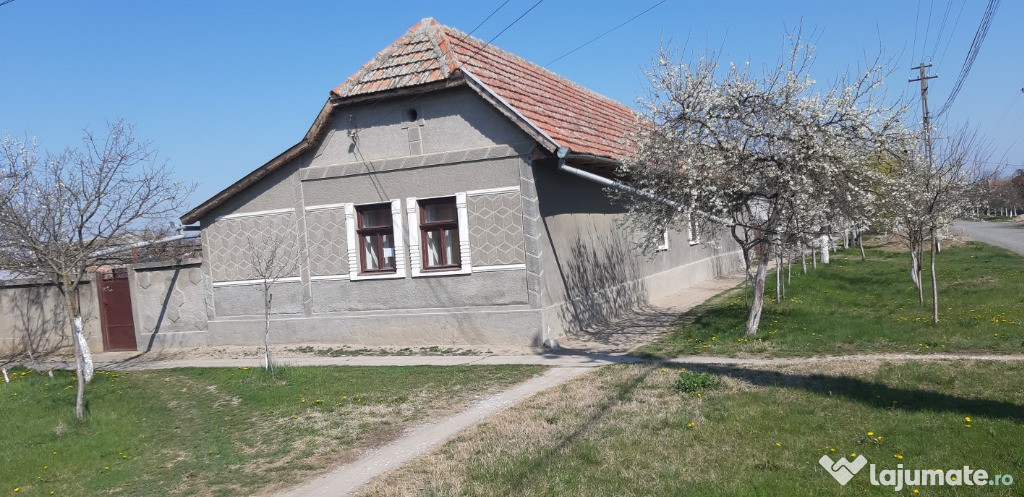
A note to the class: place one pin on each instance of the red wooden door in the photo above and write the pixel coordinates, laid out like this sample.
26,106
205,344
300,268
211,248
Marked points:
116,311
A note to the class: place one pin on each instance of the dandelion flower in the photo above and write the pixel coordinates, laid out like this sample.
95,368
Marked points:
916,491
778,444
879,438
967,426
967,419
871,433
853,454
898,456
832,449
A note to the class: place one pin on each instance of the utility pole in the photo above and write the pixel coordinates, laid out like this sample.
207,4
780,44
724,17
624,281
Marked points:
923,78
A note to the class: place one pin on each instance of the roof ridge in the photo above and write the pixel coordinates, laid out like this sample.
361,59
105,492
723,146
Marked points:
385,54
505,53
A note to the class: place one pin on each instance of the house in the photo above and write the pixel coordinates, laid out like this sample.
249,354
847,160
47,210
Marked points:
445,194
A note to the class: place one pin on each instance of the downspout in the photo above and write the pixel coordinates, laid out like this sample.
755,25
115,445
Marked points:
563,152
123,248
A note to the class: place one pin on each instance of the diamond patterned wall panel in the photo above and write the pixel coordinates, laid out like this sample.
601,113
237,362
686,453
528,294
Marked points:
229,243
496,229
326,241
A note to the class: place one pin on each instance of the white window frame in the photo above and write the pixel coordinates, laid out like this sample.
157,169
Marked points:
691,235
353,244
663,245
412,207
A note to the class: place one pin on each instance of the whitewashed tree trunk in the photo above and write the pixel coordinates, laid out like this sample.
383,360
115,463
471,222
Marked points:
825,249
935,282
268,299
83,366
860,243
754,318
803,257
778,279
6,379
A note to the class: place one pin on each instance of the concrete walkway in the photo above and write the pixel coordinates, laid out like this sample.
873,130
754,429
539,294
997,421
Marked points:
587,360
348,478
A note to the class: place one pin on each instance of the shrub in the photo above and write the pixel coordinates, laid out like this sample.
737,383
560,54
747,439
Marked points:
691,382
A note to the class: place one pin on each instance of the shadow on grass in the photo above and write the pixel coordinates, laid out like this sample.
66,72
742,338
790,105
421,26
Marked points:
551,455
869,393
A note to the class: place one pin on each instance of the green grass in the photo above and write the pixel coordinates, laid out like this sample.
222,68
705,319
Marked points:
215,431
851,306
626,430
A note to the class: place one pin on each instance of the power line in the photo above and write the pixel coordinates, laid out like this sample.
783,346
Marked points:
942,29
489,16
602,35
927,28
972,53
461,63
953,32
513,23
917,19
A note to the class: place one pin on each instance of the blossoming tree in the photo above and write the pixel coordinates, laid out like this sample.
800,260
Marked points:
770,156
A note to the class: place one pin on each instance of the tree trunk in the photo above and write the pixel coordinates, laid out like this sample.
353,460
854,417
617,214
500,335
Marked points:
83,365
803,257
83,360
824,249
754,318
935,283
814,258
860,243
778,280
268,298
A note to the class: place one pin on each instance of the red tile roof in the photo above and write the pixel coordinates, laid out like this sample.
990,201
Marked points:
570,114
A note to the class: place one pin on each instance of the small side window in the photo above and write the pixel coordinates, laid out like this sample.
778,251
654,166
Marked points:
663,243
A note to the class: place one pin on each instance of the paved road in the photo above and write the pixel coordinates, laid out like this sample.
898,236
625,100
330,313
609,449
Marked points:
1008,235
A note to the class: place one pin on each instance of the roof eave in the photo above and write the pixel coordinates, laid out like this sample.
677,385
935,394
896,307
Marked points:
510,112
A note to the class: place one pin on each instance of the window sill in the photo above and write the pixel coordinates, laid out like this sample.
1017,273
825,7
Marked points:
378,276
442,272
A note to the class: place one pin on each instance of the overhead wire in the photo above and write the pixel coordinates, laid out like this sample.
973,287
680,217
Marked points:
602,35
972,54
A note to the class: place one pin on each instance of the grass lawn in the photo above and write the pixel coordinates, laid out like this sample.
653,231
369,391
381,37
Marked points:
851,306
627,430
216,431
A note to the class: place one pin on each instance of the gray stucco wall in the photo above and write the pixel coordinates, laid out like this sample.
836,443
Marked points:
591,270
33,316
169,304
368,156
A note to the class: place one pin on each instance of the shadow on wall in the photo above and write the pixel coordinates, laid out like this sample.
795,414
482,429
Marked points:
37,325
602,279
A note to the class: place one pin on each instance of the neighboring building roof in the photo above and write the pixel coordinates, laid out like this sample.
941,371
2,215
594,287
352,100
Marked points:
432,56
570,114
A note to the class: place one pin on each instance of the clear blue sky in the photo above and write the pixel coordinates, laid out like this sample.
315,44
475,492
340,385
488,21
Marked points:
223,86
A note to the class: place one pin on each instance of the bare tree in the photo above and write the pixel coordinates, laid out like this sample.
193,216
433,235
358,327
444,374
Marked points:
269,260
64,215
771,155
923,199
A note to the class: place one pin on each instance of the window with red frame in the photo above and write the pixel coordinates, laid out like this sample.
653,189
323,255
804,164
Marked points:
376,234
439,234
